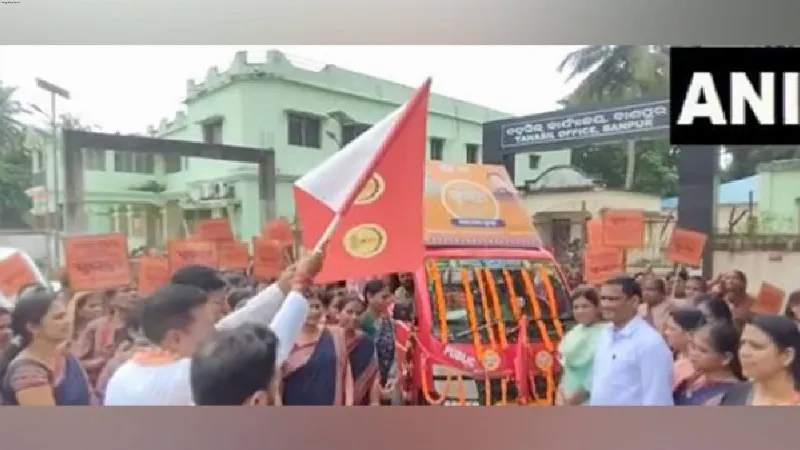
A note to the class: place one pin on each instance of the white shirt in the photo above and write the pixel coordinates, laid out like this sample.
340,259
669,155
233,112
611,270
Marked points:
169,384
632,367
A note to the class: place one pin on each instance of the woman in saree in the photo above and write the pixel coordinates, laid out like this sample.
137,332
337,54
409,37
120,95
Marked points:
769,349
99,340
83,308
377,323
680,325
361,351
133,341
714,356
37,369
317,371
578,347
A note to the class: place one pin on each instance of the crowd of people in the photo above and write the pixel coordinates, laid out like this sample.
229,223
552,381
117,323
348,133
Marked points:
208,338
684,341
216,338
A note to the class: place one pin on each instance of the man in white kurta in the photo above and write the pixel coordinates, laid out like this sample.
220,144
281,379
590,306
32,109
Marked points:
135,384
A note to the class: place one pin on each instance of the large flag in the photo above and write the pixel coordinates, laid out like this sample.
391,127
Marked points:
374,185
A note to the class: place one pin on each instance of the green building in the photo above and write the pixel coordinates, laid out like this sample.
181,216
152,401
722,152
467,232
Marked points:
302,115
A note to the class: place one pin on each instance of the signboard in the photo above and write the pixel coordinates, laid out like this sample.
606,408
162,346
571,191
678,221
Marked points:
474,205
573,128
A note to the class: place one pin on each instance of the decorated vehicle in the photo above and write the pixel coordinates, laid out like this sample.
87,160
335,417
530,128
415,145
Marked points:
488,302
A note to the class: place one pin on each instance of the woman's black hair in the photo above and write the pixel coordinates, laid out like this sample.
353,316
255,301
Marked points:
348,297
700,280
29,309
688,319
30,287
741,276
718,310
236,296
724,340
794,300
394,282
372,287
587,292
785,334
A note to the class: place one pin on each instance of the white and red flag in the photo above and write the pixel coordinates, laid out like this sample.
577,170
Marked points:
366,200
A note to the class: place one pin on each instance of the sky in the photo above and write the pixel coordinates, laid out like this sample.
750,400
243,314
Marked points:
126,88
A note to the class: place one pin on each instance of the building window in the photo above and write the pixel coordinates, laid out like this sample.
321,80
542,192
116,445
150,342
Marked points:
172,163
437,149
130,162
94,159
352,131
472,153
212,132
304,131
38,161
533,161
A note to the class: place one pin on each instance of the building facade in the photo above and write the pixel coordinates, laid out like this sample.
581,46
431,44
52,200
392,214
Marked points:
304,115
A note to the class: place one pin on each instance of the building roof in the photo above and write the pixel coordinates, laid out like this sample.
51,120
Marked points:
561,177
731,193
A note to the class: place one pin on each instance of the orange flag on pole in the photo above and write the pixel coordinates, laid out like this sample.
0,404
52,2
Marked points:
366,200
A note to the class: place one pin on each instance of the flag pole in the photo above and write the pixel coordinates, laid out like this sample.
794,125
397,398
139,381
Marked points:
326,236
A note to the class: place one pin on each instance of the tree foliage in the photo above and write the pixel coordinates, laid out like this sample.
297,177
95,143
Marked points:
624,72
11,129
15,162
613,73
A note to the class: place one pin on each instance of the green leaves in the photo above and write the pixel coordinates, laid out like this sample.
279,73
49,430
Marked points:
15,162
611,73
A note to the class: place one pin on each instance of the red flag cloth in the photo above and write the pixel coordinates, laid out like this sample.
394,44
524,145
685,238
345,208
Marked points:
375,184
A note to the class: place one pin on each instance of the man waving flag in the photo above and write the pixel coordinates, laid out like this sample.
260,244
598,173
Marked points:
367,198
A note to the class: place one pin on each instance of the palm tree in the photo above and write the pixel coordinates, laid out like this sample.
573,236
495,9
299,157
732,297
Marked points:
617,72
11,129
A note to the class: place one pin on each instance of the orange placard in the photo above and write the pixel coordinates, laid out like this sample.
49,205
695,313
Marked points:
770,300
97,262
602,263
216,230
269,258
474,205
279,229
14,274
623,229
185,253
686,247
594,232
153,273
233,256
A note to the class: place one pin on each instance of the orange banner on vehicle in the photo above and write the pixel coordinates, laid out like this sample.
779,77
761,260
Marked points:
14,274
770,300
185,253
234,256
623,229
216,230
602,263
153,273
269,258
97,262
474,205
686,247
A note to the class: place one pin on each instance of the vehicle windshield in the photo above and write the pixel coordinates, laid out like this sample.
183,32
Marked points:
490,295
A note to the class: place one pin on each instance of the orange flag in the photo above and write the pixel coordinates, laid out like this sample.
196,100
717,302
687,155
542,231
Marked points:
374,185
